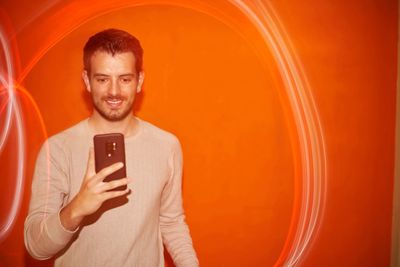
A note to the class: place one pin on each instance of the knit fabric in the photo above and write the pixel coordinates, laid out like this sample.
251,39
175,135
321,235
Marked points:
126,231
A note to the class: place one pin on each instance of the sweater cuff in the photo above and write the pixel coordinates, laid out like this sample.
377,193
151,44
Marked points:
56,231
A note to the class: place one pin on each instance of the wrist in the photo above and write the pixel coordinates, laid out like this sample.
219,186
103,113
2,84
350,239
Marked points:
70,217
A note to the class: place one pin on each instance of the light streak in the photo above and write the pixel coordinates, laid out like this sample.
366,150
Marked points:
310,199
7,84
12,110
309,129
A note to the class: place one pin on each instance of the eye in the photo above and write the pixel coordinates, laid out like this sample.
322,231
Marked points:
126,80
101,80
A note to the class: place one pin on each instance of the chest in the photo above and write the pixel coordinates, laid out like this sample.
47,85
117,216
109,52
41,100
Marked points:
147,167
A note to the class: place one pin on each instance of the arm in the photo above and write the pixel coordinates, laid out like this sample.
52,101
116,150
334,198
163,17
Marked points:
51,223
44,233
174,230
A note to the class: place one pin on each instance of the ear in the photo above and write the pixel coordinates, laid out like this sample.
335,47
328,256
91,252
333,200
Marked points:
85,78
140,82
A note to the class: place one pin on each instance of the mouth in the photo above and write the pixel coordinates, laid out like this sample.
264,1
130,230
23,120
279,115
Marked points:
114,103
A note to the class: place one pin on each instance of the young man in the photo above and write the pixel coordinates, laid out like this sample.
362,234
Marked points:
74,215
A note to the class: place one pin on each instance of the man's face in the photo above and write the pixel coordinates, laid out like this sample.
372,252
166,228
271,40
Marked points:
113,84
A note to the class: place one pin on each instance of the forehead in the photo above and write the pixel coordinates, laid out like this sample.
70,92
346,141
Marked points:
106,63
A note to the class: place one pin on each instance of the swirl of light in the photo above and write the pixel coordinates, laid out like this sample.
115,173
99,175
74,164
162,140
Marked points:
12,111
9,89
307,220
310,134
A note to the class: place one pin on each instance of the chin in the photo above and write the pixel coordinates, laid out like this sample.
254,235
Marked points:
116,117
113,115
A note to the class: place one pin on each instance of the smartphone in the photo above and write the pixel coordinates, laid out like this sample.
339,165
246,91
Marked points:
109,149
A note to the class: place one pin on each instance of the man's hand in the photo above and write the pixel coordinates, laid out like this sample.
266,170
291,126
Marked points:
92,194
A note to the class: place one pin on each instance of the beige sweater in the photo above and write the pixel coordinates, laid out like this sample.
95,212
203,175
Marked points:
127,231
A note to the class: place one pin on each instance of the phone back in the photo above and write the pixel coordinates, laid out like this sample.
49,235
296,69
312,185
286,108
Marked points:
109,149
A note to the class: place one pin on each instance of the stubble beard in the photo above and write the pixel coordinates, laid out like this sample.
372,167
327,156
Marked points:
109,114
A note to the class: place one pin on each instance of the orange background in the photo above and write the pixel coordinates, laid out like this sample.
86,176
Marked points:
211,81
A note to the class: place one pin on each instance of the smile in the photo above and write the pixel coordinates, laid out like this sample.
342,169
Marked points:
114,103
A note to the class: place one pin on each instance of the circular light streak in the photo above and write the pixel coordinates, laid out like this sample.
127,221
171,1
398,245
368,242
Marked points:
309,130
312,195
12,111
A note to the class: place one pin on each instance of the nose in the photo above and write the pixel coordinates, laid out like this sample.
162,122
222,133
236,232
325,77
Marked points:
114,88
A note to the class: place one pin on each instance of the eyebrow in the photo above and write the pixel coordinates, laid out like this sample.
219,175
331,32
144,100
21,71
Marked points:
106,75
99,74
128,75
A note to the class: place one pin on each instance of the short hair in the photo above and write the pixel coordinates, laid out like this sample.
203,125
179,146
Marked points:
113,41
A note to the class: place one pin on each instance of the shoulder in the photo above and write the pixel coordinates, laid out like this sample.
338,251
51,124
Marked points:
71,135
56,147
159,136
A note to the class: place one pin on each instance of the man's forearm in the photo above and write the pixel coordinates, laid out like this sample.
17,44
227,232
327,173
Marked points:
45,235
177,239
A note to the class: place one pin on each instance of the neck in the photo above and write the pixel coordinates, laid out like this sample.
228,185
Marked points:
100,125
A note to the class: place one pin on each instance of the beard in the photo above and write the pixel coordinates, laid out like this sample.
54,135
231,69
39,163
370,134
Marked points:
111,114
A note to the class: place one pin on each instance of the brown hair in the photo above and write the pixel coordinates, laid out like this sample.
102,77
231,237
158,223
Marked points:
113,41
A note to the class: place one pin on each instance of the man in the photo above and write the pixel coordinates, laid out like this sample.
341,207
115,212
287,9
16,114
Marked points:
77,217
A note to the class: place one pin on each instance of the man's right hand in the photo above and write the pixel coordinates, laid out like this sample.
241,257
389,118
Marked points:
92,194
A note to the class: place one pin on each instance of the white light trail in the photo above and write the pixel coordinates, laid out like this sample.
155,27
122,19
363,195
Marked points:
12,112
309,129
304,111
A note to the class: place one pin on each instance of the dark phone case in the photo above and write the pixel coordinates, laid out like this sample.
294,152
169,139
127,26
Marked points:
109,149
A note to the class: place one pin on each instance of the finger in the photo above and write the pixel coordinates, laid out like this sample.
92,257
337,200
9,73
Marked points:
114,184
90,164
113,194
101,175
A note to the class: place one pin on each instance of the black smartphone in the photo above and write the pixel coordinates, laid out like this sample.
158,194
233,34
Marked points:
109,149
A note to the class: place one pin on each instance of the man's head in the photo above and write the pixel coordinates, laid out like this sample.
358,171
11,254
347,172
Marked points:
113,72
113,41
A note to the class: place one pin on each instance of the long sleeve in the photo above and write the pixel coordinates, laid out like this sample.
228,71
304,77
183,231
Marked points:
126,232
44,234
174,230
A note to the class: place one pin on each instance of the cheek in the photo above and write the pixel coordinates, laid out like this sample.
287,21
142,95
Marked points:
98,90
129,91
96,94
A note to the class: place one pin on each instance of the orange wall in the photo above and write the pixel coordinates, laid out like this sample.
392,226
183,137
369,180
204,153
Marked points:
212,81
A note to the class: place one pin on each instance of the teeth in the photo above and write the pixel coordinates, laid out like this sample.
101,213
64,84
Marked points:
114,101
